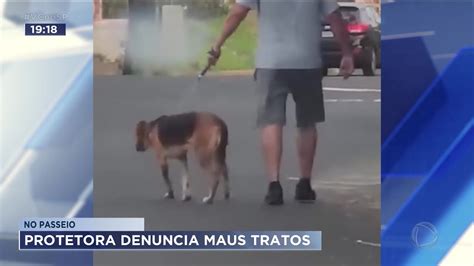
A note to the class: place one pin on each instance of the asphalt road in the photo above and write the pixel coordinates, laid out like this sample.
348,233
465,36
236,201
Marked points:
346,177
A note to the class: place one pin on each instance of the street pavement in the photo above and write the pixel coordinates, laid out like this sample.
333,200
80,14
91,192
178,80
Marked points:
346,175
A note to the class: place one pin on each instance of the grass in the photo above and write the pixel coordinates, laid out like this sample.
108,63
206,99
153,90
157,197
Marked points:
238,52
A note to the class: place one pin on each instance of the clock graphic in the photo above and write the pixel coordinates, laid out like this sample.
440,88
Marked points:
32,29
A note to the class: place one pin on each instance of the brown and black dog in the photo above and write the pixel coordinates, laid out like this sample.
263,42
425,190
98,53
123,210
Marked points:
172,136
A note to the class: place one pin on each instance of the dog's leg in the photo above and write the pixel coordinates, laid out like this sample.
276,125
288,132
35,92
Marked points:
212,190
186,196
165,173
214,182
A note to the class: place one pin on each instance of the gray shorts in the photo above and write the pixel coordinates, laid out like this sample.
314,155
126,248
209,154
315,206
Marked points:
273,87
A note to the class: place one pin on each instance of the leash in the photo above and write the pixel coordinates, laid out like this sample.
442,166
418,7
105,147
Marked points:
184,105
208,66
188,96
203,72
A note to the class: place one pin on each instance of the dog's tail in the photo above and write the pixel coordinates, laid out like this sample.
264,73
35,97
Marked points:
223,141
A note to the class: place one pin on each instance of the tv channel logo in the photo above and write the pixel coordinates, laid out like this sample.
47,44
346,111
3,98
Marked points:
424,234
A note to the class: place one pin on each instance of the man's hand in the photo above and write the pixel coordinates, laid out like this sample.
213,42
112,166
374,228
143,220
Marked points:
236,14
341,35
213,56
347,66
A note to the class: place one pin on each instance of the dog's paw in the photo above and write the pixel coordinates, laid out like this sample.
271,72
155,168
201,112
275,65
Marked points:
207,200
186,198
169,195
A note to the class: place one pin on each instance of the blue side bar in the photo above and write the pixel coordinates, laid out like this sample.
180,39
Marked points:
423,117
436,144
450,35
434,121
65,144
451,178
403,83
64,167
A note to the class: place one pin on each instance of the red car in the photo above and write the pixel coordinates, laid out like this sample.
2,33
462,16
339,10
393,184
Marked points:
363,24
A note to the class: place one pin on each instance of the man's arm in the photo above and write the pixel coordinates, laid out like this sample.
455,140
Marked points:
338,27
236,15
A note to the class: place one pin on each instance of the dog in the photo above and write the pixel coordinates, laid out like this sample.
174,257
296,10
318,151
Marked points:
173,136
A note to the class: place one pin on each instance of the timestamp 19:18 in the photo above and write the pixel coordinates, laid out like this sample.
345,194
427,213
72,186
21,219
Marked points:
32,29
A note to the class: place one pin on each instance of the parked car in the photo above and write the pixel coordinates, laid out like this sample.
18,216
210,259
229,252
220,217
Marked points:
363,24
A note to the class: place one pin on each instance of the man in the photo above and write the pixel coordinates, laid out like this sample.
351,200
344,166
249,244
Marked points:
288,61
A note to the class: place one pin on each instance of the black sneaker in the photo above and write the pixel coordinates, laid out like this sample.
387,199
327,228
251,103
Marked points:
304,192
275,194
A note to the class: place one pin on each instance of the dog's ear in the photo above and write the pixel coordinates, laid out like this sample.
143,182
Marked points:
140,135
140,130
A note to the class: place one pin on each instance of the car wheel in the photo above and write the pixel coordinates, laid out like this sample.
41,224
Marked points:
371,63
324,71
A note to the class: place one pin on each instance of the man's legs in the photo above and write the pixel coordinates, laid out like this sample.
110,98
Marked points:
308,96
306,142
272,92
272,150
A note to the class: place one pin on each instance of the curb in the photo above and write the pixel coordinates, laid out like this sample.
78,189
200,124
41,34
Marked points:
224,73
246,72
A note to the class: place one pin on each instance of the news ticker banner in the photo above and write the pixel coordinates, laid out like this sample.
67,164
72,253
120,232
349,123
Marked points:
129,234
